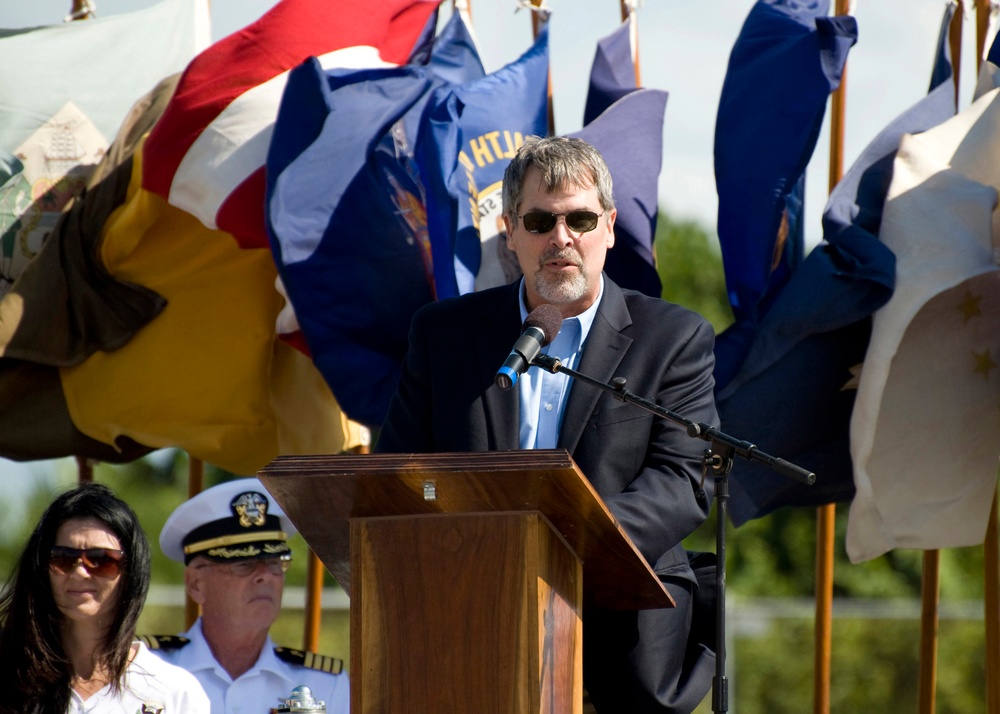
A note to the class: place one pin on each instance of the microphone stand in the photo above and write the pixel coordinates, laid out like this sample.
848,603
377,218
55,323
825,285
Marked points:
719,459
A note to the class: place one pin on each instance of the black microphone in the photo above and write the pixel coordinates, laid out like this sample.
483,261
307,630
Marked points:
539,329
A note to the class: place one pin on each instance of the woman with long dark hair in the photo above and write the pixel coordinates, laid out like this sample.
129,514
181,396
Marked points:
68,616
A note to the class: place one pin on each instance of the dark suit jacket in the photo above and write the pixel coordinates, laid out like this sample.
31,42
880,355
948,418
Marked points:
647,469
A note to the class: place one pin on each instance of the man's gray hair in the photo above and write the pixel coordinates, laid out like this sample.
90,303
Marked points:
563,161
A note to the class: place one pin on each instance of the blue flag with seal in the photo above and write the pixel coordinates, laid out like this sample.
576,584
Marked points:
346,218
470,133
794,393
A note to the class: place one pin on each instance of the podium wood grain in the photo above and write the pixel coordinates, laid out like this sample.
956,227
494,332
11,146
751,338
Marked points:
321,494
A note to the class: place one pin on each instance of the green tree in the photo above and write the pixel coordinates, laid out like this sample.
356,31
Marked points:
690,267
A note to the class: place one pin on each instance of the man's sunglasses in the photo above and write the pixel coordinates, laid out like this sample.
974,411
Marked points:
102,562
576,221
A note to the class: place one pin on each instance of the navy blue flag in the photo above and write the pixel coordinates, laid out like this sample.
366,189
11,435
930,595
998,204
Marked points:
784,64
612,74
470,134
993,55
630,136
943,66
794,393
346,217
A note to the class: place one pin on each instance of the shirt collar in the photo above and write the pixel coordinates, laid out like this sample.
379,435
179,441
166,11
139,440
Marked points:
202,657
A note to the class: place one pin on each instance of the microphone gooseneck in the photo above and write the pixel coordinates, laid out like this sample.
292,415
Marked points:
539,329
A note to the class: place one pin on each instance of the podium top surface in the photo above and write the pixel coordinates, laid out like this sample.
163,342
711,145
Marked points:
322,494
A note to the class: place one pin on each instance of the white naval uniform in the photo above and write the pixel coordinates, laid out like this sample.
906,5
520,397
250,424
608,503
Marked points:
148,680
258,689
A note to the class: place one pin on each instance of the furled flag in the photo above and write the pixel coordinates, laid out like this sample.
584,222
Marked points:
346,214
80,377
612,74
632,145
786,61
65,306
66,88
471,133
925,424
794,392
944,67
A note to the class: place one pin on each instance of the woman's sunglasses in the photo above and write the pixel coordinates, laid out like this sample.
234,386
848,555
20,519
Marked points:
576,221
102,562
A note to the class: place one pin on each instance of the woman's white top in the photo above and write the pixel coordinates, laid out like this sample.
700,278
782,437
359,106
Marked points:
151,687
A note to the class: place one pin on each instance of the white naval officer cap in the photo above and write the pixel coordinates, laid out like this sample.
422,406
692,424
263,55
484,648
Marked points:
235,520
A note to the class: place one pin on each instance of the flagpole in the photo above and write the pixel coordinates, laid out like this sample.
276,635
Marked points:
628,9
535,27
991,544
196,484
984,8
824,606
84,469
826,515
991,558
314,602
81,10
955,43
930,598
930,579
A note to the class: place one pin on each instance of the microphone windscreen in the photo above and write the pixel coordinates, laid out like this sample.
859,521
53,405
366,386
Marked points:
546,318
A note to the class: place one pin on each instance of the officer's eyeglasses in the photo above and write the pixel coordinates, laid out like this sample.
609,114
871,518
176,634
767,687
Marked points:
245,568
576,221
102,562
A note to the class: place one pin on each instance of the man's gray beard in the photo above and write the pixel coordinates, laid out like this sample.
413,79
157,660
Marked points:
559,290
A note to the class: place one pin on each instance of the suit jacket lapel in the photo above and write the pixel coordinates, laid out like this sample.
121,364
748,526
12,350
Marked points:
604,350
502,408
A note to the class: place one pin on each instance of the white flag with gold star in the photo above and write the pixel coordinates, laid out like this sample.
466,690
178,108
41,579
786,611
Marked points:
925,432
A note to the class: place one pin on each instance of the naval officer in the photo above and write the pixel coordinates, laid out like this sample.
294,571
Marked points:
233,541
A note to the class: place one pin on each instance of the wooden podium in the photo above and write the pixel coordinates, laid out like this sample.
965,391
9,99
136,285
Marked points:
467,573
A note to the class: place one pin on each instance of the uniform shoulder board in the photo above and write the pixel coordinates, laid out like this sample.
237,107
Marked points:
310,660
164,643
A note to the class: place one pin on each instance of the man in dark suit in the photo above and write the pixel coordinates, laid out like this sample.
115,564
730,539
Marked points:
559,216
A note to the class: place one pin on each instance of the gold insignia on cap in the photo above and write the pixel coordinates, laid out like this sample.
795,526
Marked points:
251,508
249,552
225,541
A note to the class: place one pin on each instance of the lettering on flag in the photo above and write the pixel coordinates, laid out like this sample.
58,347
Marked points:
495,148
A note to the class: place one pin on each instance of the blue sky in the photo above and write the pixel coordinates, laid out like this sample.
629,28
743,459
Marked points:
683,48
